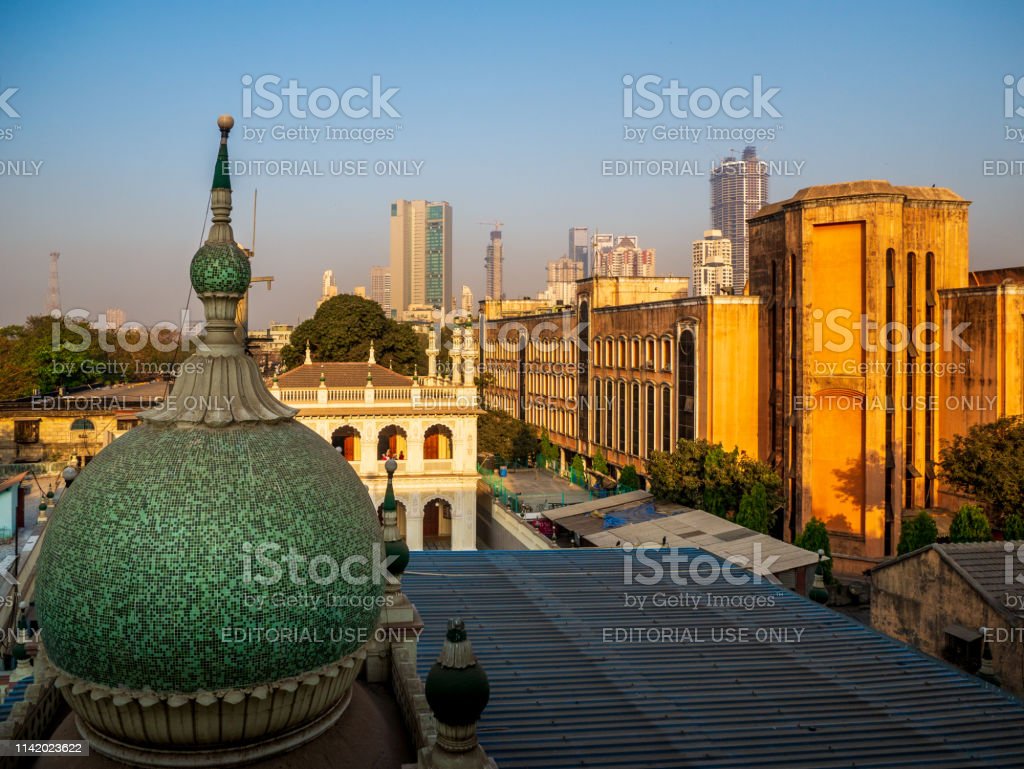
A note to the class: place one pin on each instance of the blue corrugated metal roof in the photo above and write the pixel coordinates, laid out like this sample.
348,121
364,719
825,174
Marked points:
562,695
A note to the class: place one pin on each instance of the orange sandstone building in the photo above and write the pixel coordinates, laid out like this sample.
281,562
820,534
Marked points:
862,342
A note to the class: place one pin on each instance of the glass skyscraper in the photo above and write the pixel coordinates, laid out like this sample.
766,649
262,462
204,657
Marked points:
739,188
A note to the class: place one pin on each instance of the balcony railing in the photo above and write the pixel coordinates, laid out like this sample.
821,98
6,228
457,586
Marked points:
464,397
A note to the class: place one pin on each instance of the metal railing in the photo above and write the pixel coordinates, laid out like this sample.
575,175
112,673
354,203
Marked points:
433,394
520,503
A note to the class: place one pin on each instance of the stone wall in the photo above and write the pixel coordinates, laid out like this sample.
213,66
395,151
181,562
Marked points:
916,598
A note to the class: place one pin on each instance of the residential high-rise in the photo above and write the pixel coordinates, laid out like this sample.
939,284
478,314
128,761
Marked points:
328,288
712,279
467,300
421,254
739,189
621,257
713,249
562,276
53,296
380,288
359,291
579,248
115,318
493,263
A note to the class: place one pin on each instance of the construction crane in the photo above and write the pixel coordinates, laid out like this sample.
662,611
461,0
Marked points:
242,310
495,224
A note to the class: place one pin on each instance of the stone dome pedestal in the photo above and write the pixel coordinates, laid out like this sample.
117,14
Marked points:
216,729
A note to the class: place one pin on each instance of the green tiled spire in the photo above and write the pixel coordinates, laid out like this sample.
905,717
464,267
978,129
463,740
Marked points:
154,574
221,173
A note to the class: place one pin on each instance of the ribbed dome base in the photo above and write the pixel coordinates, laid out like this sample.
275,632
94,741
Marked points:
239,755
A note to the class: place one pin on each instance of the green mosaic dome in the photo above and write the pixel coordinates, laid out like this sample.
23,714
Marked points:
153,567
221,267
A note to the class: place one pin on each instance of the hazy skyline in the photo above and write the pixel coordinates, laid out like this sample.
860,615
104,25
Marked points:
512,115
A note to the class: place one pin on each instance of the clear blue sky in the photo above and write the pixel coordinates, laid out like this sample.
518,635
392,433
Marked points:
511,113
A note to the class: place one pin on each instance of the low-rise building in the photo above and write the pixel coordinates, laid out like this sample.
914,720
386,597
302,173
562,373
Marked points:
72,427
627,369
948,599
371,413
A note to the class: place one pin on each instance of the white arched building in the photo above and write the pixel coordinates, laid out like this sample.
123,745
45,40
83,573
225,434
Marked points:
369,412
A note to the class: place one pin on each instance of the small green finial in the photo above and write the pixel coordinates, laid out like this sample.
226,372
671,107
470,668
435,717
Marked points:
389,493
394,544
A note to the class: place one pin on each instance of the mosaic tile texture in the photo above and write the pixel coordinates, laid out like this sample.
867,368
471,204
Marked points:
220,267
143,564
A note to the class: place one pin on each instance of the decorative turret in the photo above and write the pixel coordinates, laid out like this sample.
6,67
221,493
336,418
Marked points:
819,592
432,352
456,356
309,358
470,355
166,520
394,542
220,275
457,691
399,623
373,358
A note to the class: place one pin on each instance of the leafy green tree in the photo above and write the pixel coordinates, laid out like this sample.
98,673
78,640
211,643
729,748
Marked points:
548,450
30,360
754,512
917,532
705,475
599,463
495,430
678,476
987,465
970,525
579,469
629,478
1013,527
814,537
524,444
342,330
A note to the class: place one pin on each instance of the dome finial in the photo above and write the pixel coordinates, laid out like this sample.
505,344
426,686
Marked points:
389,494
394,543
222,171
457,691
231,386
819,592
220,199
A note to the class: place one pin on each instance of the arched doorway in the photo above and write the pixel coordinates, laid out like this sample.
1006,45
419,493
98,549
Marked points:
346,439
437,524
401,515
391,443
437,442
